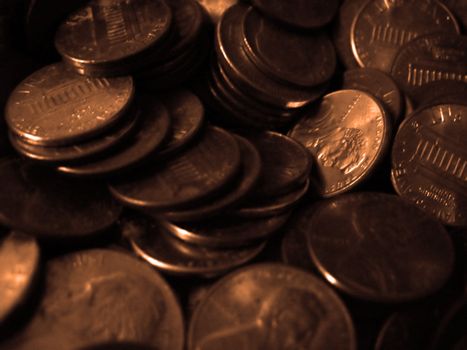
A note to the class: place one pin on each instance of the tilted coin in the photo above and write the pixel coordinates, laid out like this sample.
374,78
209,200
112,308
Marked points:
19,266
303,59
428,59
199,172
99,295
382,27
299,13
152,130
429,162
154,244
49,205
346,134
271,306
378,247
55,106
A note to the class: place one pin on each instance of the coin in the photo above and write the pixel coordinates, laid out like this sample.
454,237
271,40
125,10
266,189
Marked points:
303,59
459,9
439,92
19,266
346,135
169,254
382,27
304,14
199,172
428,59
55,106
271,306
378,84
371,255
151,132
250,172
429,162
99,295
51,206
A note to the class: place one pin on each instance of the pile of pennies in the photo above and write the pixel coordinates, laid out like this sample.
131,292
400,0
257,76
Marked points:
221,174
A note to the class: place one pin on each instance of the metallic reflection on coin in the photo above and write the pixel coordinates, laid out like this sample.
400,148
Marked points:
347,134
55,106
378,247
216,8
382,27
429,162
271,306
19,265
95,296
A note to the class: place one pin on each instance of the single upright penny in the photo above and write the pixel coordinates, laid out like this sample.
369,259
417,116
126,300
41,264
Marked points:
347,134
380,248
271,306
429,162
55,106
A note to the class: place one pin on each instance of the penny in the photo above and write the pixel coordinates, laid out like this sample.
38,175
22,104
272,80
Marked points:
303,59
428,59
429,162
55,106
225,232
304,14
378,84
199,172
99,295
49,205
151,132
347,134
85,149
169,254
250,172
271,306
19,266
382,27
109,31
364,252
286,163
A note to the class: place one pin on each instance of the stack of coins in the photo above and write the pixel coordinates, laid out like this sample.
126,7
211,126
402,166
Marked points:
171,185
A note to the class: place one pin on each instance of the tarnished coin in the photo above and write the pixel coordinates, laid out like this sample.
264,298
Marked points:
271,306
346,134
378,84
169,254
285,164
382,27
303,59
227,232
49,205
199,172
250,173
109,31
154,126
378,247
19,265
429,59
299,13
96,296
429,162
55,106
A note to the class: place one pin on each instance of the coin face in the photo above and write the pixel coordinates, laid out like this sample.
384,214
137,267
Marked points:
429,162
430,59
19,265
106,31
304,59
198,173
96,296
346,135
55,106
382,27
371,255
271,306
